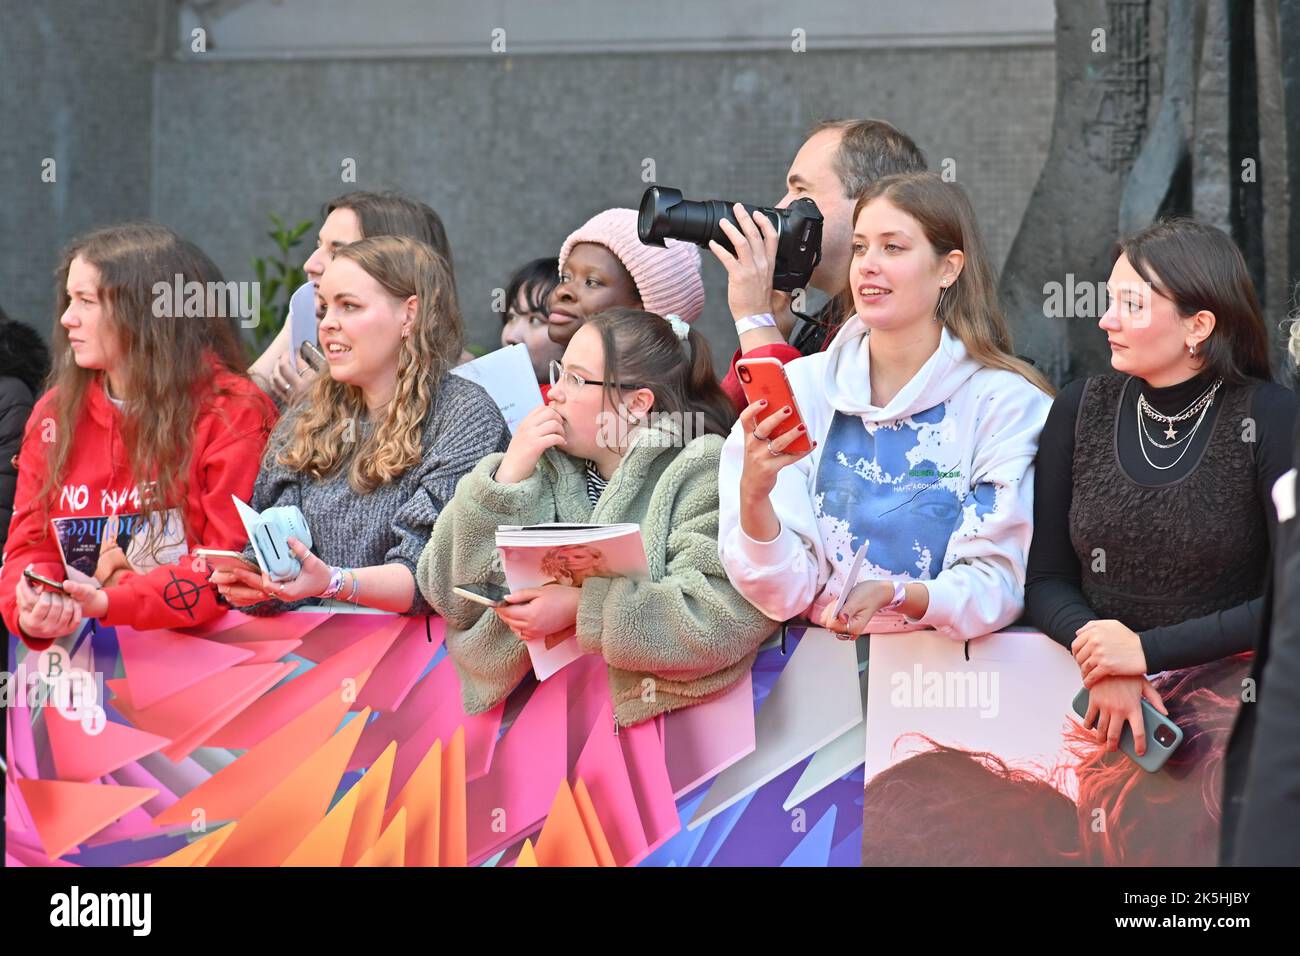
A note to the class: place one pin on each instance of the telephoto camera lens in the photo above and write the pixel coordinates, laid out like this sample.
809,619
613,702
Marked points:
664,215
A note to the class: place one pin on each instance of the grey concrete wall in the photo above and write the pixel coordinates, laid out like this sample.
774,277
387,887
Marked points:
516,152
76,86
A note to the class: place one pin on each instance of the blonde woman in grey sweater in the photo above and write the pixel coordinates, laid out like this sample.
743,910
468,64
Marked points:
374,452
632,433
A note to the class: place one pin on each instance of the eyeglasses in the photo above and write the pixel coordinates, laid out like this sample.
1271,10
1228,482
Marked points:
561,375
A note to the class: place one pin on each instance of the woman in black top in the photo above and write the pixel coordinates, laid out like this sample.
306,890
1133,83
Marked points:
1153,523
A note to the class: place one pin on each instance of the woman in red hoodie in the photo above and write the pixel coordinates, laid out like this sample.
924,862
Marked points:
130,460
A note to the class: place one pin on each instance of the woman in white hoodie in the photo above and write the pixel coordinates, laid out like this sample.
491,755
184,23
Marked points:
924,428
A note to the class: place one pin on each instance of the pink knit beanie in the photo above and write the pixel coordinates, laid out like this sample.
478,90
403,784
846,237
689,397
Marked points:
668,279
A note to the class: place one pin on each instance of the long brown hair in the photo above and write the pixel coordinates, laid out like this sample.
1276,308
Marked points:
1198,267
970,306
169,359
323,437
642,347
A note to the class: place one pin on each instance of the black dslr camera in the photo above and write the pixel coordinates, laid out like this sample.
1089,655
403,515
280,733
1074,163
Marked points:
664,214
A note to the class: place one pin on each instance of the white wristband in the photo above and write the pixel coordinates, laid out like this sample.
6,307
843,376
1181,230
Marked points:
764,320
900,595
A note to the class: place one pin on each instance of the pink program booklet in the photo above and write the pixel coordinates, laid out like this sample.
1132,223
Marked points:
567,554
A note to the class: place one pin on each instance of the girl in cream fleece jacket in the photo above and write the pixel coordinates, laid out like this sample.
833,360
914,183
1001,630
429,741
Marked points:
685,635
936,480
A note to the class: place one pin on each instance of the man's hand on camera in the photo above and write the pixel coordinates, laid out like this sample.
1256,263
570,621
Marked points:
749,272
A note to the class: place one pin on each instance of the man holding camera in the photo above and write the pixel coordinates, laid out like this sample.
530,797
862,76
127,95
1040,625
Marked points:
836,163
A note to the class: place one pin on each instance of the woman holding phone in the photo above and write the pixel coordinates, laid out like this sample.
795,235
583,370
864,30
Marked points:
922,427
146,433
375,452
1153,517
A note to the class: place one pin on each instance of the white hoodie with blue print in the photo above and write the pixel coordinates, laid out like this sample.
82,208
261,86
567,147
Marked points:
938,483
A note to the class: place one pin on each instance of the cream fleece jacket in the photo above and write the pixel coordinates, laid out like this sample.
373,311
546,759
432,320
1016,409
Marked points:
681,638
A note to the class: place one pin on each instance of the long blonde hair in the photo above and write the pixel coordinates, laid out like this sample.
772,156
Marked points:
969,308
325,437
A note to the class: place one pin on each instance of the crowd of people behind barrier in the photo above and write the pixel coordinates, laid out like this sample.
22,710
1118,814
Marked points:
1139,517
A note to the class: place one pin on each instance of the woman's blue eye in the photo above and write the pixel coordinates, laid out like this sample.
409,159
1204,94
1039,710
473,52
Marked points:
893,245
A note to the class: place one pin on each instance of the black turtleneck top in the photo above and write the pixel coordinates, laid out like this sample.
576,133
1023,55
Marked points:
1054,598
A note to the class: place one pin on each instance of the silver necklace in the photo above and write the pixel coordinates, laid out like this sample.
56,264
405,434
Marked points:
1166,446
1198,405
1143,437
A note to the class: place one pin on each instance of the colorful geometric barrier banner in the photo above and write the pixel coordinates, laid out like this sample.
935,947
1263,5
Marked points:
336,739
339,739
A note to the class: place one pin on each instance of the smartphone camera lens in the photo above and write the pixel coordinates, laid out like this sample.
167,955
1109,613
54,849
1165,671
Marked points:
744,374
1164,736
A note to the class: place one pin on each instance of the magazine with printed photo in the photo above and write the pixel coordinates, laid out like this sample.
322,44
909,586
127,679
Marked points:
100,545
567,554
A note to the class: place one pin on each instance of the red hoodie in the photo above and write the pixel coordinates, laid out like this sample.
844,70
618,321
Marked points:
226,444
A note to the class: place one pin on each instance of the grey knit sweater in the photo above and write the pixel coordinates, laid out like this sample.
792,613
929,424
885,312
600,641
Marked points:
391,524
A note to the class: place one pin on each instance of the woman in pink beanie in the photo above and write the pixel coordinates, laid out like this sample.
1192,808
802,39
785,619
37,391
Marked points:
604,265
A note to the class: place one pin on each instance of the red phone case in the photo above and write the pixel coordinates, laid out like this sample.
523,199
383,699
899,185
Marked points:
767,380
